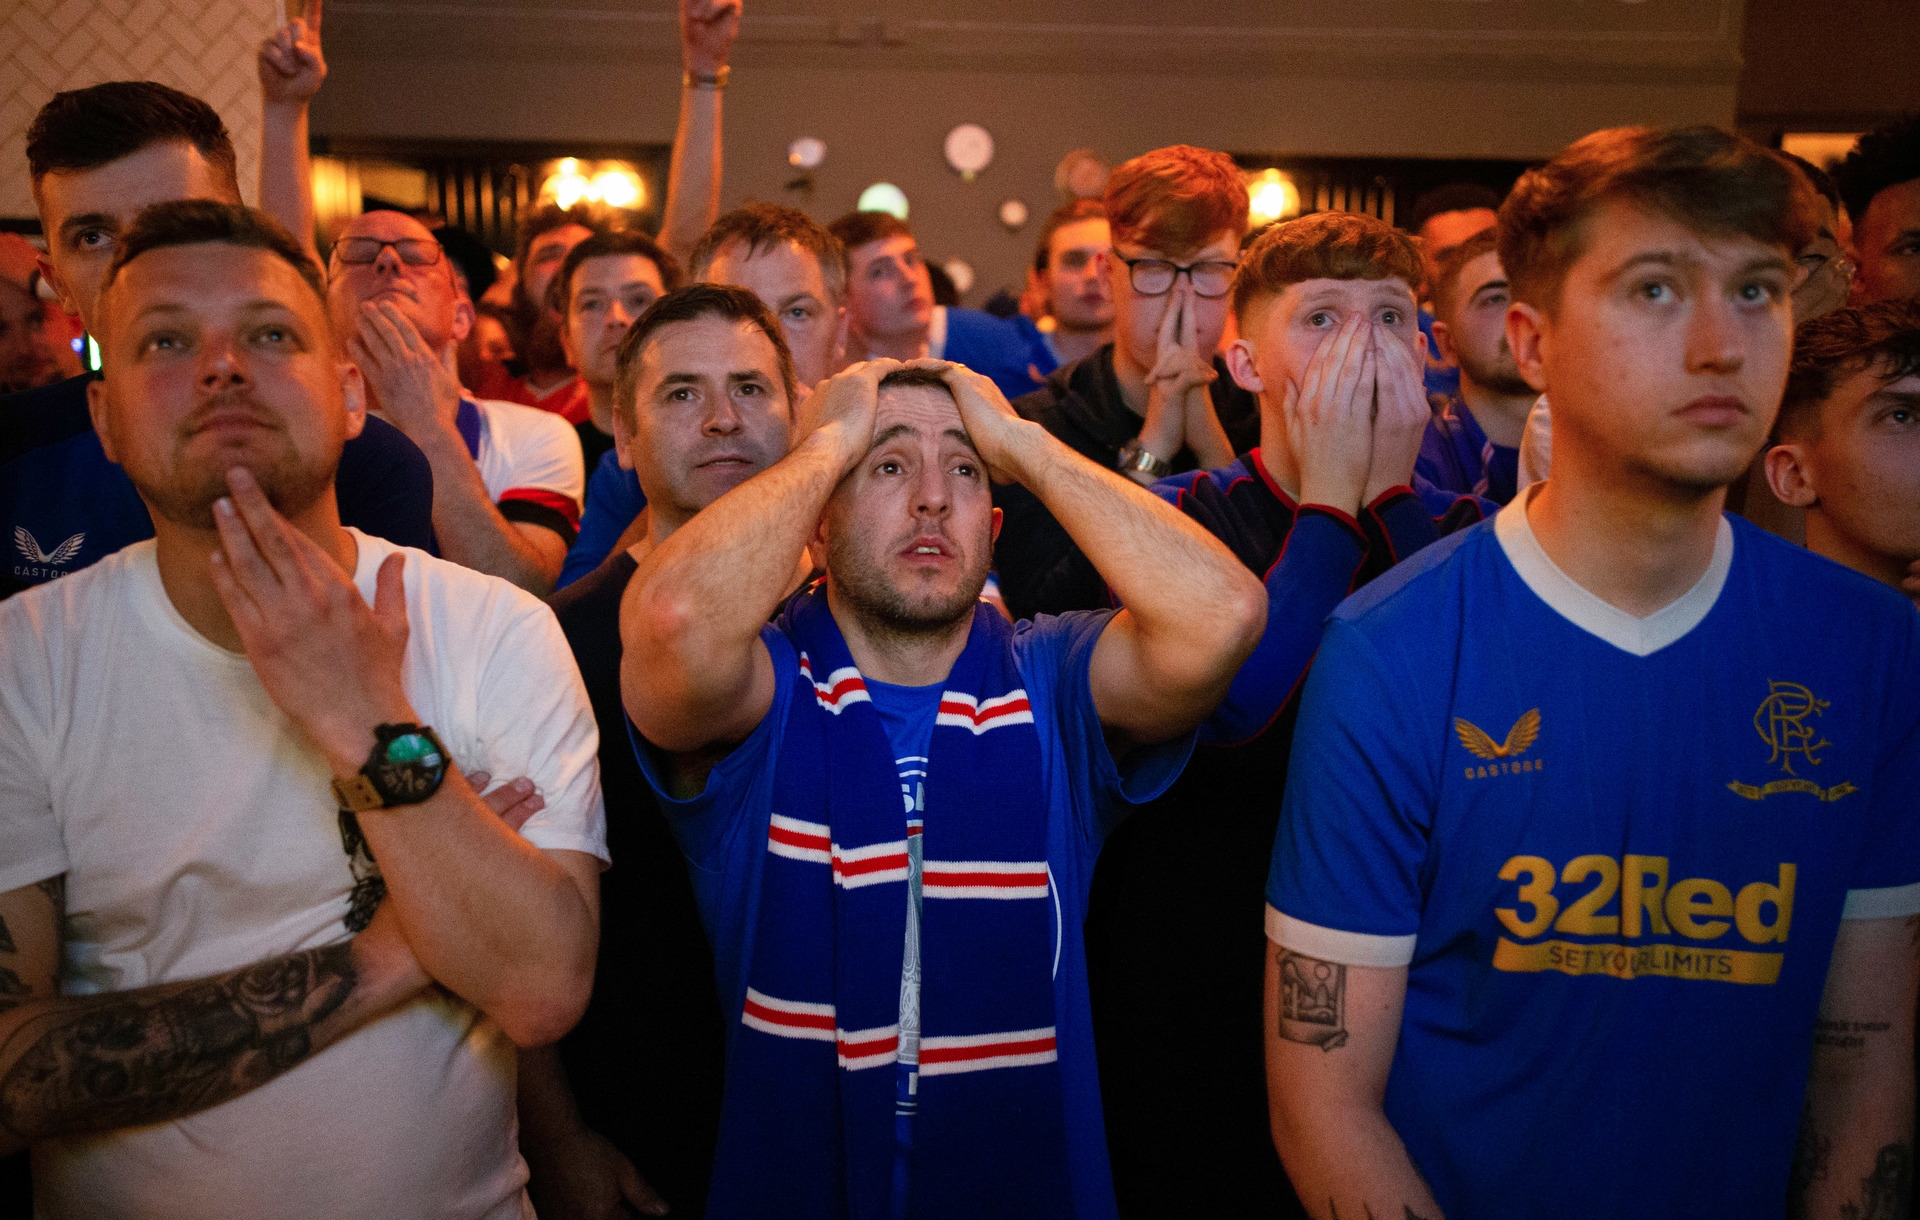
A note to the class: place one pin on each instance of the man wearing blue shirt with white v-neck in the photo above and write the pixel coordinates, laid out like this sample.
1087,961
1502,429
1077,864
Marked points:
1597,871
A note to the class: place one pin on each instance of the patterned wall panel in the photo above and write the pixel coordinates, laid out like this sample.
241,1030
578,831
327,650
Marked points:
205,47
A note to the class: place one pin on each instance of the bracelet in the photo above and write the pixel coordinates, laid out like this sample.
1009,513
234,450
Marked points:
1135,458
700,80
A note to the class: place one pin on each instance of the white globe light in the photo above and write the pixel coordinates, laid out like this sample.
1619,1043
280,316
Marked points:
883,197
806,153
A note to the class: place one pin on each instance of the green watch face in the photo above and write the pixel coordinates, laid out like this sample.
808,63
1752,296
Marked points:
413,748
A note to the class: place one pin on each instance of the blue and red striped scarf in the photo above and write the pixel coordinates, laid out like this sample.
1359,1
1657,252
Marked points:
807,1126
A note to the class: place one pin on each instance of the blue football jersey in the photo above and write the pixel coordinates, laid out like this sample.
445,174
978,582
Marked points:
1612,852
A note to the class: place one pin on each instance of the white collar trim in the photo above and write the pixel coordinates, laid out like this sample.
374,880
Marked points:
1639,636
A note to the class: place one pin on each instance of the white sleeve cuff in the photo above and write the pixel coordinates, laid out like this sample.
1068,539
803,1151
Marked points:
1891,903
1333,945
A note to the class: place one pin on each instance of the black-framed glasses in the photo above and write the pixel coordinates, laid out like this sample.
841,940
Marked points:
1155,277
413,251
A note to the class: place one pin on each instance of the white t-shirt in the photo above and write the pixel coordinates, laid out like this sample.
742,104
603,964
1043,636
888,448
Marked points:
198,834
531,455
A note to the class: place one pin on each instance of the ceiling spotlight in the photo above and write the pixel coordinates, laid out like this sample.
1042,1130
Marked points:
806,153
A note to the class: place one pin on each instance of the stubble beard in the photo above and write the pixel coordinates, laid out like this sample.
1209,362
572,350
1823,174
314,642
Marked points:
187,498
886,609
1498,376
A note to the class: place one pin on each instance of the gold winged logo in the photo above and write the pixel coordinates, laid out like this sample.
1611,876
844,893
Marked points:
1525,732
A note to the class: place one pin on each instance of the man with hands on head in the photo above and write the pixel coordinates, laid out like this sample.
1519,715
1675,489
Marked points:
1326,502
507,479
891,755
304,695
1578,792
1156,401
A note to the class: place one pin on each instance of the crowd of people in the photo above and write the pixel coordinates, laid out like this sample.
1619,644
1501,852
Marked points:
1371,709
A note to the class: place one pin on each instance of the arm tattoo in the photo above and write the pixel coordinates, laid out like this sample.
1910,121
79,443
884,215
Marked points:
1313,1000
13,992
113,1061
1887,1192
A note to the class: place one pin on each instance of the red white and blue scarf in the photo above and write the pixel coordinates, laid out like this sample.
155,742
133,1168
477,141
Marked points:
808,1121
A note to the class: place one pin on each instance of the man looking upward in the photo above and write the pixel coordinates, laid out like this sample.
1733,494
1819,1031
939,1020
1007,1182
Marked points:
1619,768
312,701
1472,445
931,767
96,156
507,479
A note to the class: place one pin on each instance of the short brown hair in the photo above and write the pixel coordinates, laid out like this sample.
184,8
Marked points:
1712,181
856,229
685,305
1067,214
1324,246
85,128
916,378
763,226
193,222
610,245
1173,199
1883,336
1445,289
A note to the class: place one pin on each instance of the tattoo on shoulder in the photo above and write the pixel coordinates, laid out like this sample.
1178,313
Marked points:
1313,1000
1887,1192
115,1061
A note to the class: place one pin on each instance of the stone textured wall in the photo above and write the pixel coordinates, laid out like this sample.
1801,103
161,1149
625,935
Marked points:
205,47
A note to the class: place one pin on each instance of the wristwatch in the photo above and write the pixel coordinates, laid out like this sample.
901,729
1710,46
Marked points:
703,80
406,767
1135,459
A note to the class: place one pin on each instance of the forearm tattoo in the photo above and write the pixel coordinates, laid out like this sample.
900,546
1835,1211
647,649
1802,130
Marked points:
13,992
1887,1192
1313,1000
113,1061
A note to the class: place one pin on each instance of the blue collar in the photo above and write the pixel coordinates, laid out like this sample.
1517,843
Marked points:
467,419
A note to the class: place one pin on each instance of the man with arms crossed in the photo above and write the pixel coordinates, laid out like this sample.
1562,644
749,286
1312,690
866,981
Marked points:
1846,447
253,652
703,403
507,479
892,755
1577,794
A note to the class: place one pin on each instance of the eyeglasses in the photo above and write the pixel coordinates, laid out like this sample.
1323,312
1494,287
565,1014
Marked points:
413,251
1155,277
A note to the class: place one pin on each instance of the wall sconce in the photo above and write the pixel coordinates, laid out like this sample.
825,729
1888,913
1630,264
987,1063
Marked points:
1271,196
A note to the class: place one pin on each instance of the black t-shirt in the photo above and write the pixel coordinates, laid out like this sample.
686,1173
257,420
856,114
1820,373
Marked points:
1041,571
646,1061
64,506
593,442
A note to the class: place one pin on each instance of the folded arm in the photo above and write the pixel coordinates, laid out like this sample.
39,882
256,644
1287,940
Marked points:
74,1065
1855,1154
1331,1031
509,928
